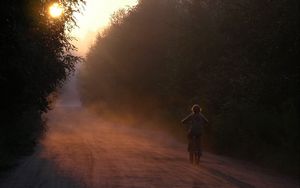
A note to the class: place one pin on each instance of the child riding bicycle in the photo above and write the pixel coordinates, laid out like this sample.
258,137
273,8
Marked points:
196,122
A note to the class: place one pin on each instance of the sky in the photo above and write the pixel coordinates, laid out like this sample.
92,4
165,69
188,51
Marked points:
94,18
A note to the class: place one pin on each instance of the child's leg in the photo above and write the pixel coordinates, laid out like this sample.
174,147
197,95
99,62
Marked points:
198,155
192,157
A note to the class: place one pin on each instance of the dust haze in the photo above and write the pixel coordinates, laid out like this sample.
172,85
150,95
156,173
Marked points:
82,149
116,121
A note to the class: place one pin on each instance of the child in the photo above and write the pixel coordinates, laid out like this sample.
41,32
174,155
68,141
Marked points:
195,121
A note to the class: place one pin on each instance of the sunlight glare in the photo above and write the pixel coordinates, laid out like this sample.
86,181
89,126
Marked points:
55,10
95,18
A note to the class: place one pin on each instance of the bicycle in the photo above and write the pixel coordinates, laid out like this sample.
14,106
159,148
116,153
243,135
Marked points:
194,149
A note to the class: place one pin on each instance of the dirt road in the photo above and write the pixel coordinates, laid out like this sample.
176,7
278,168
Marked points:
81,150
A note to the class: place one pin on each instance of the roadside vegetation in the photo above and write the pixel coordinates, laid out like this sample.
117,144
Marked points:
35,52
237,59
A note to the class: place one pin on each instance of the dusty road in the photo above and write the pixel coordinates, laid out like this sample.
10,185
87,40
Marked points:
81,150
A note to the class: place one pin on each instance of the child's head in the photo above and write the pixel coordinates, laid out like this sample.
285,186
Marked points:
196,109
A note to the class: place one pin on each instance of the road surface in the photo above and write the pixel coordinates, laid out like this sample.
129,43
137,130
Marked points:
81,150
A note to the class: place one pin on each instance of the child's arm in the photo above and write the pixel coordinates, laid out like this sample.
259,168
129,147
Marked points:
205,119
187,119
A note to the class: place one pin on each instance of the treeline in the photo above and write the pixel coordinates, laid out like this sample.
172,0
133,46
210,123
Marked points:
36,58
239,60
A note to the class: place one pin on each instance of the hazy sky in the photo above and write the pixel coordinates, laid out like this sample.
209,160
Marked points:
95,18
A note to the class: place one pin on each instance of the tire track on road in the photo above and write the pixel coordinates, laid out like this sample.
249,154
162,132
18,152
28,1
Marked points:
88,152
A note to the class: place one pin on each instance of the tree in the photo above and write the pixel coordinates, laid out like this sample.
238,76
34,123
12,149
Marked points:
36,57
238,59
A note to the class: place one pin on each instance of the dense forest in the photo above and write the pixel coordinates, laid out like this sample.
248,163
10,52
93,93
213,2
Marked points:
238,59
36,57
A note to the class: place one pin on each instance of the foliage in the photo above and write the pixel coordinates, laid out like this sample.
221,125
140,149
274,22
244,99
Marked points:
36,57
238,59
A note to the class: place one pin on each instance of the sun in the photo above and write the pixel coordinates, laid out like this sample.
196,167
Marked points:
55,10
